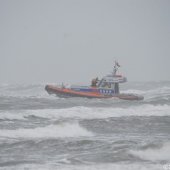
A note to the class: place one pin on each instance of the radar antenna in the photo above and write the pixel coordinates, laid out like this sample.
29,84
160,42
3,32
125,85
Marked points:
115,68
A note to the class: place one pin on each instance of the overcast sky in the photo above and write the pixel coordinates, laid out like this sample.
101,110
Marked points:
43,41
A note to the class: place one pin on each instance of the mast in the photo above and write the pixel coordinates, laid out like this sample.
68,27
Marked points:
115,68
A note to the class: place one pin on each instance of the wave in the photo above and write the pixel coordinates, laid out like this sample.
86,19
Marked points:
38,91
61,130
154,154
99,166
23,91
140,92
153,94
11,116
99,113
157,94
82,112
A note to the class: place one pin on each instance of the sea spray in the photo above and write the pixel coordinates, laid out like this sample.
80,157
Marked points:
61,130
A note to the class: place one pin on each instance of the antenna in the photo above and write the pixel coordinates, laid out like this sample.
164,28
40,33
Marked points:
115,68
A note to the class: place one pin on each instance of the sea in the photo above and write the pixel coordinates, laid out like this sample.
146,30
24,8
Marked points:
39,131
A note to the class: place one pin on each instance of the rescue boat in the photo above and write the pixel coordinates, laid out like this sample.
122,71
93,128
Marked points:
107,87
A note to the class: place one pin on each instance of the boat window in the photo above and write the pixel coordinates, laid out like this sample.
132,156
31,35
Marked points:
106,85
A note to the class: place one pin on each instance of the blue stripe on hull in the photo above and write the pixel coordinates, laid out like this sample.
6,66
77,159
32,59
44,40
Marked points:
101,91
85,90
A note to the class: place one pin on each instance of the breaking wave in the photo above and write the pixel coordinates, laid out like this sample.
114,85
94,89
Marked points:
154,154
158,94
98,113
99,166
82,112
61,130
153,94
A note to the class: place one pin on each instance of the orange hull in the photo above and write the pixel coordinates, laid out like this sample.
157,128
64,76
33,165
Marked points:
66,92
69,92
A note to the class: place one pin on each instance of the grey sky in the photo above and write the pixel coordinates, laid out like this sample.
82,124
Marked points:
75,40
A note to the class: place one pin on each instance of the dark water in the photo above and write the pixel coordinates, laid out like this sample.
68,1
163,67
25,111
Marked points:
38,131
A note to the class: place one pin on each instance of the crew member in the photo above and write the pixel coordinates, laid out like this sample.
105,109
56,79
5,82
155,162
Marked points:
94,82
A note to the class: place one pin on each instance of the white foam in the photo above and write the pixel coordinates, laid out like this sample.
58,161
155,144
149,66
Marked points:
6,115
114,167
150,94
51,131
154,154
90,112
98,166
100,112
140,92
162,92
